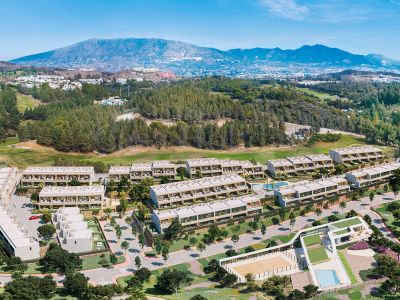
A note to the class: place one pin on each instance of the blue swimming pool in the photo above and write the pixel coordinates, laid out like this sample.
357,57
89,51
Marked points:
327,278
274,186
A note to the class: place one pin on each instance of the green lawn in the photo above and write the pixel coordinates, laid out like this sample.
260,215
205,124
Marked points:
26,101
320,95
340,232
347,267
389,219
317,255
347,223
92,262
46,156
313,239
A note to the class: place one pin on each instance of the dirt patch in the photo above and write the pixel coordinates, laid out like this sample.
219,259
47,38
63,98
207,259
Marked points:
199,285
195,267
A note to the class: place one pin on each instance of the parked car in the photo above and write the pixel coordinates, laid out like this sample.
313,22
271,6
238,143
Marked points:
34,217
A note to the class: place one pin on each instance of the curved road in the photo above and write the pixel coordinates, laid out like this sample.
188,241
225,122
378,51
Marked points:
109,275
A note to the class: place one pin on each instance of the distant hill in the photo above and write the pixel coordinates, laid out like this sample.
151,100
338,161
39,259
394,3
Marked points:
188,59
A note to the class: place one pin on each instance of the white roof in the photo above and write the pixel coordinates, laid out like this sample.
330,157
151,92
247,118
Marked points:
119,170
190,185
84,190
162,164
280,162
141,167
357,149
197,162
319,157
299,160
59,170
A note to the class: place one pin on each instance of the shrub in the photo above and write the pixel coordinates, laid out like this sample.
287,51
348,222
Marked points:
362,245
230,253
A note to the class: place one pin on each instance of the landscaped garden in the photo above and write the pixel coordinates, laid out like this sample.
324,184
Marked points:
317,254
390,213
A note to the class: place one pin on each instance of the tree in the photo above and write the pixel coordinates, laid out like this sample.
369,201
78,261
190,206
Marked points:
59,260
76,284
198,297
123,205
143,274
128,220
118,231
170,281
113,258
251,283
125,245
394,182
192,241
138,262
235,238
318,212
282,214
310,290
228,280
46,231
263,229
171,232
342,205
104,262
297,295
165,253
133,231
15,264
292,219
201,247
108,212
181,172
30,288
46,216
113,222
142,240
371,196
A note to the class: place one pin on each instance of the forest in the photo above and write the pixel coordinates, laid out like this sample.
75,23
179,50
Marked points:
254,112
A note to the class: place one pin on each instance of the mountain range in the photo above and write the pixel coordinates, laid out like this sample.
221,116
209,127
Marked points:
187,59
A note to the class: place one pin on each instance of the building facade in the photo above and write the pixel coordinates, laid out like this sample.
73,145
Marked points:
9,178
308,192
372,175
353,155
18,240
72,231
208,213
84,197
54,176
197,190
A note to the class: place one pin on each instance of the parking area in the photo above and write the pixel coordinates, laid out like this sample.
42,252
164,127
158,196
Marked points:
22,207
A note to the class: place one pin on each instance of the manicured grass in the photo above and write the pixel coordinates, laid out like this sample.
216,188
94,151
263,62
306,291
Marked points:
320,95
347,223
317,255
340,232
314,239
46,156
26,101
92,262
347,267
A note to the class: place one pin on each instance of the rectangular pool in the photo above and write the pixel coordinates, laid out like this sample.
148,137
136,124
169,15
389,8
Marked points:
327,278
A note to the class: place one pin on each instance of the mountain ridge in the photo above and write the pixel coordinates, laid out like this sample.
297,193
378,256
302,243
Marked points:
181,57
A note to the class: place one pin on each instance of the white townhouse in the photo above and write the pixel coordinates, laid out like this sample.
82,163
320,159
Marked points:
358,154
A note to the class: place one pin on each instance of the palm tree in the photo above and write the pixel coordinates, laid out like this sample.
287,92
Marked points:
118,231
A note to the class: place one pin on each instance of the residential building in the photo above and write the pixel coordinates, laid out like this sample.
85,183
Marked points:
72,231
85,197
141,171
208,213
37,176
18,240
197,190
114,101
310,191
117,172
297,165
217,167
373,175
9,178
163,168
359,154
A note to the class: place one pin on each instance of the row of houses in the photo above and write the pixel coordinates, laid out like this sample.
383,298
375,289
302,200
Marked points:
194,168
313,163
307,192
9,179
208,213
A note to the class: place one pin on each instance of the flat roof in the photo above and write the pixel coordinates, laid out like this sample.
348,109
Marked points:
162,164
119,170
84,190
357,149
195,184
280,162
299,160
197,162
59,170
319,157
141,167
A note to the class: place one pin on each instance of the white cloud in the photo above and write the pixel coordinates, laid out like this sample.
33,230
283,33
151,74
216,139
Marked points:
287,9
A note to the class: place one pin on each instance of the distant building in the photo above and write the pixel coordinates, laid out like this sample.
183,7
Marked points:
72,231
114,101
85,197
360,154
18,240
36,176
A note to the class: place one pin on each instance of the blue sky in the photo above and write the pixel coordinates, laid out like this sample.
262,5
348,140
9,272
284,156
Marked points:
359,26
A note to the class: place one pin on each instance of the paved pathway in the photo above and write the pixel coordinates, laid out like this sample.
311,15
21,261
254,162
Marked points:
111,274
